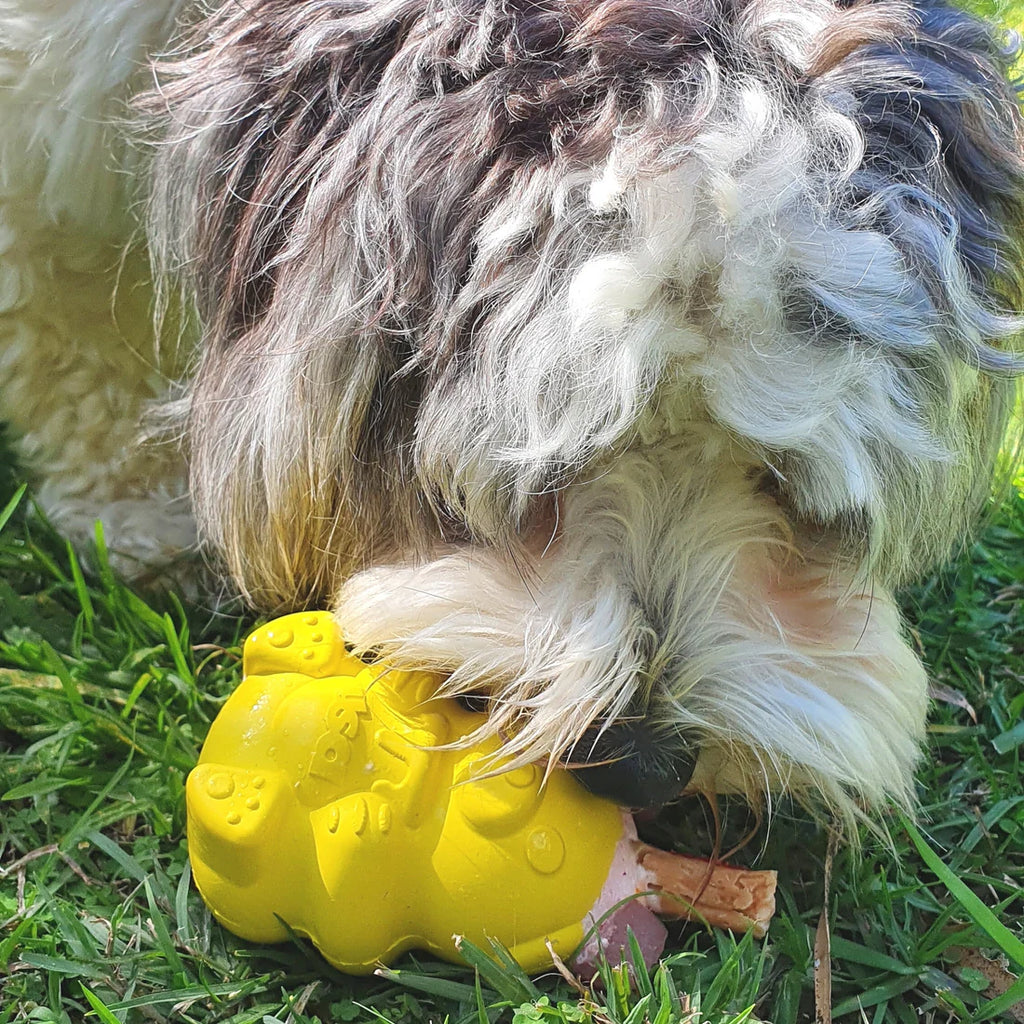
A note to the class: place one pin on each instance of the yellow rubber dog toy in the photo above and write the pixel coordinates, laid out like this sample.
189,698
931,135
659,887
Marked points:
322,803
317,803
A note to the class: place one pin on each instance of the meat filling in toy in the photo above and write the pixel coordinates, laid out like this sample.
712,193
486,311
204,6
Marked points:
329,799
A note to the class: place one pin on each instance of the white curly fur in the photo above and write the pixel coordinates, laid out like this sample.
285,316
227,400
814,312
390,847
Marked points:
77,354
797,674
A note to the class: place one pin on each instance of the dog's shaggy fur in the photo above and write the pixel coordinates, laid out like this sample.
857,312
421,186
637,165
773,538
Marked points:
615,357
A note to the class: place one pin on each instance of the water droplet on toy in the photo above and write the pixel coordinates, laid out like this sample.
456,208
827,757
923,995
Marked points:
384,818
311,620
234,818
316,637
308,654
280,637
545,850
331,754
257,780
220,786
253,803
334,821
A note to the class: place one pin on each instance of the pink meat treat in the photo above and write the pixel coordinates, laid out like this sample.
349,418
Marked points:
644,882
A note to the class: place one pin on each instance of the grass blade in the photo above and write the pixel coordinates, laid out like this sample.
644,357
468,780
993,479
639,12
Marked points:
165,943
12,505
67,683
973,906
99,1007
510,982
443,987
61,965
873,996
998,1006
641,975
854,953
81,590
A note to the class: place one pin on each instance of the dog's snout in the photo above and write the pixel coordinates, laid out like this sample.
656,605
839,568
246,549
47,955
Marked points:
633,763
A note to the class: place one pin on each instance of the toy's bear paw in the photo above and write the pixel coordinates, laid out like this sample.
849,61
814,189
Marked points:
350,835
308,643
232,805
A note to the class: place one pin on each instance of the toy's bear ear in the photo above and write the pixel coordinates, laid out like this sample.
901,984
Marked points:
306,643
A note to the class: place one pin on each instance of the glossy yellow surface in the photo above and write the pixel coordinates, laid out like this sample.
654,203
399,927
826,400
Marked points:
317,802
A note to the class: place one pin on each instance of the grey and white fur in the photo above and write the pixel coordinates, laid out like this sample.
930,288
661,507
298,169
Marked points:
615,358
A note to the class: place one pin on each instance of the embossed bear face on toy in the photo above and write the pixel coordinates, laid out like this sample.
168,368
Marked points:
322,803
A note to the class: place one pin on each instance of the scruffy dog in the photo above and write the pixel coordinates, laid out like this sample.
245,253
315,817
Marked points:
615,357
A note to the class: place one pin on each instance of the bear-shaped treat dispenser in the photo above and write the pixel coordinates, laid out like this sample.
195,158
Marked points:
329,799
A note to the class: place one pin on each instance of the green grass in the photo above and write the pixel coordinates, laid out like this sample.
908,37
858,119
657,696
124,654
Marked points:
105,697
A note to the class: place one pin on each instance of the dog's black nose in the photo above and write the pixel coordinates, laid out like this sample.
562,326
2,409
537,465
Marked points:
633,763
